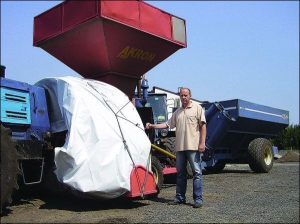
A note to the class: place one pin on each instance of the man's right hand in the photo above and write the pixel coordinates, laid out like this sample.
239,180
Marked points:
148,126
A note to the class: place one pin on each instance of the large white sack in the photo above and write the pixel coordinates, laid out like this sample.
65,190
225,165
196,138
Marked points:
105,136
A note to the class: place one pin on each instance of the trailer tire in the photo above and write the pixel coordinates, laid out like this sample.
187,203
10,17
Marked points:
217,168
9,167
260,155
156,168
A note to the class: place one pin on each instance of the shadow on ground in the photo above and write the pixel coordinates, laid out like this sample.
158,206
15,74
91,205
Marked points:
27,195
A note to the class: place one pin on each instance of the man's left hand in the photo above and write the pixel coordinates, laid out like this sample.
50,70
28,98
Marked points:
201,147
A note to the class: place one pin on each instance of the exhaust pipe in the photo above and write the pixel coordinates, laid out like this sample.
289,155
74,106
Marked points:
3,71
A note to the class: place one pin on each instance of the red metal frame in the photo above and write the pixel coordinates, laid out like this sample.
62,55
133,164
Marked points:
138,185
169,170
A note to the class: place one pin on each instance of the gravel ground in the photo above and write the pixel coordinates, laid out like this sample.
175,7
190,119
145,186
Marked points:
237,195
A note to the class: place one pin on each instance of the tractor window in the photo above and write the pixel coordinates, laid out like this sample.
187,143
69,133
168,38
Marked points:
159,107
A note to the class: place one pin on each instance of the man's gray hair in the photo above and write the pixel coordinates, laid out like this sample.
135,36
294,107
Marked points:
180,88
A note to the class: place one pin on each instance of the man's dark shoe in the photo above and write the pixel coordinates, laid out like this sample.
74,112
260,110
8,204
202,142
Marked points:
175,202
197,205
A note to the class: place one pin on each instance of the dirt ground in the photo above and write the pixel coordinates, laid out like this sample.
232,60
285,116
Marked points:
291,156
237,195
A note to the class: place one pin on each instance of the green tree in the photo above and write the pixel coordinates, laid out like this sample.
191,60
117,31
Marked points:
288,138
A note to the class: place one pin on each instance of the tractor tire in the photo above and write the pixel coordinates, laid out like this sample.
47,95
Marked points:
9,167
170,147
217,168
260,155
156,168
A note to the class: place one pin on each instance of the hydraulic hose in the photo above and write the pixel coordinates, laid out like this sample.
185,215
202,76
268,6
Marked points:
163,151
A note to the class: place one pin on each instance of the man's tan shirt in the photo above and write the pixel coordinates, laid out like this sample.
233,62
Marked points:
187,122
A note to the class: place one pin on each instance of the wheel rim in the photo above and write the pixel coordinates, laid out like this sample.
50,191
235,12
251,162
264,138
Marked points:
268,156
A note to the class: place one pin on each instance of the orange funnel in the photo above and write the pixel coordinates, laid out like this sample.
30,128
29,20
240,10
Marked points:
111,41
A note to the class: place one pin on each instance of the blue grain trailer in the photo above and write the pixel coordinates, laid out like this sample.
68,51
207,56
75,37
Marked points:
238,131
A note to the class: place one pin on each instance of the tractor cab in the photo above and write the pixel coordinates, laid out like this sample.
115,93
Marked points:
158,102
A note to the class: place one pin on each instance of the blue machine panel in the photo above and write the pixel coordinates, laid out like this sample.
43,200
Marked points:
39,111
15,106
15,96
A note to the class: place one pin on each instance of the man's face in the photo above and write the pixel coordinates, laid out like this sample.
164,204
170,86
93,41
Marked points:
185,96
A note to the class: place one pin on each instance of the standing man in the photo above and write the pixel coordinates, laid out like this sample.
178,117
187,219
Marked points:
190,124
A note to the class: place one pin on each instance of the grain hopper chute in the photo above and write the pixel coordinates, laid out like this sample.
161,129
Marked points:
111,41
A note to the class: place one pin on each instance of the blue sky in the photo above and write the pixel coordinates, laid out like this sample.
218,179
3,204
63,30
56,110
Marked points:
237,49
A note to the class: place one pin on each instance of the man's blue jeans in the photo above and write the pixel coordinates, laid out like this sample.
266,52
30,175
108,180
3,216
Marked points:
194,159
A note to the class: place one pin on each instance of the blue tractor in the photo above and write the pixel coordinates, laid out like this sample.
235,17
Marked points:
27,145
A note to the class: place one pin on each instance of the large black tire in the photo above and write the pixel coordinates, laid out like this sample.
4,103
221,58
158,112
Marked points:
9,167
217,168
170,147
157,172
260,155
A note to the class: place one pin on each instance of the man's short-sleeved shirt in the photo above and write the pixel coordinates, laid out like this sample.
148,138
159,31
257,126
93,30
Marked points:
187,122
